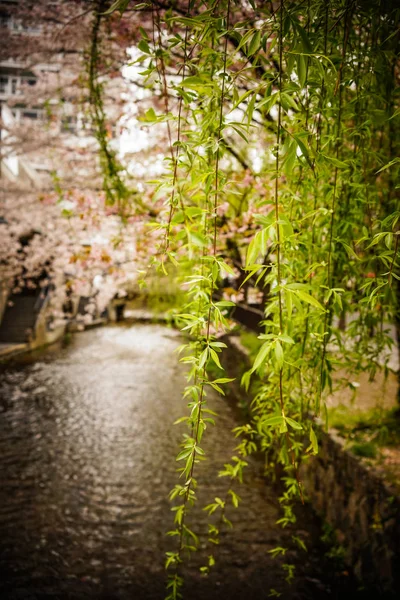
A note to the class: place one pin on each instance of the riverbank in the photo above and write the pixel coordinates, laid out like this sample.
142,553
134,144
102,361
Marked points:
357,497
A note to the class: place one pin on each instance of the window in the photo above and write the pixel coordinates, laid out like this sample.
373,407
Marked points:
14,25
28,81
31,114
69,124
18,26
3,85
12,85
5,20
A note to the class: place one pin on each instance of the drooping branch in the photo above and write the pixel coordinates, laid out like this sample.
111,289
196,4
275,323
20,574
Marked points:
113,184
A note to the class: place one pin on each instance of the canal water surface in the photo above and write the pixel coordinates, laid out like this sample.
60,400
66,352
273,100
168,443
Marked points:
87,460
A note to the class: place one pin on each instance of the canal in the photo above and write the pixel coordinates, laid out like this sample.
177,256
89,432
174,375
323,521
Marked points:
87,450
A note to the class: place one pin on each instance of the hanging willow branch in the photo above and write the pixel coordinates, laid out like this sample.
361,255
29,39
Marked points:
192,450
113,185
160,66
279,247
328,312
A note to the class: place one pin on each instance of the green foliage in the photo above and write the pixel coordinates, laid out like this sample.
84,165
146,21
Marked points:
113,184
309,89
367,431
364,449
335,551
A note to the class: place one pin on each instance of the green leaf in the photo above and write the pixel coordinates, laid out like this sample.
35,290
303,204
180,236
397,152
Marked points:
290,157
285,338
184,454
192,82
336,162
242,98
217,345
261,356
253,270
215,358
389,240
144,33
203,358
222,303
224,266
283,428
276,552
257,246
254,44
309,299
301,69
303,149
150,115
294,424
240,132
268,102
235,498
245,380
349,250
144,47
299,542
120,5
217,388
388,165
279,354
180,420
197,84
245,38
288,102
289,302
197,239
304,40
313,440
272,421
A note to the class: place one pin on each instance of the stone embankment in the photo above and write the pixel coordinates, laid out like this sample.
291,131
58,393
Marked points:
353,498
362,508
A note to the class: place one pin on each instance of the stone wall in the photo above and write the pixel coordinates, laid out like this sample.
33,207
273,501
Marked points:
353,498
364,511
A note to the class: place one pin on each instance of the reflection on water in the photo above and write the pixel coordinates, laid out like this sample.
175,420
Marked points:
87,451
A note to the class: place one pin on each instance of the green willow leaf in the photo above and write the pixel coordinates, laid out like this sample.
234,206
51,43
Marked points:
254,44
261,356
215,358
305,41
294,424
314,441
279,354
389,165
273,421
336,162
309,299
119,5
301,69
257,247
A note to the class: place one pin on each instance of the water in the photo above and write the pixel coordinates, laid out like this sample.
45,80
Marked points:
87,446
